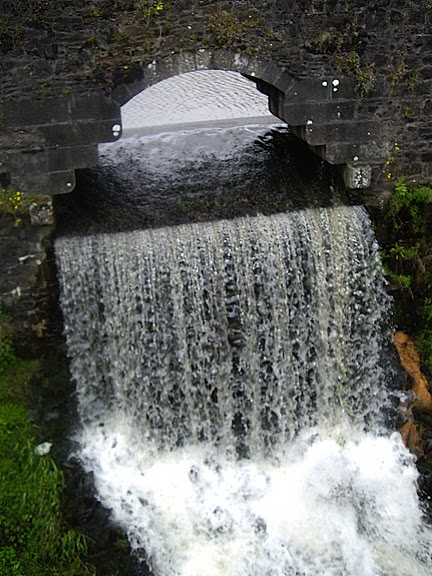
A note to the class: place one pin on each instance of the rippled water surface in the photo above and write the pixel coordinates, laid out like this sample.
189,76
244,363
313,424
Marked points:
207,95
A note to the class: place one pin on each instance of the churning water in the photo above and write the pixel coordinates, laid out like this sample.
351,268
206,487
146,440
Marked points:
232,394
232,378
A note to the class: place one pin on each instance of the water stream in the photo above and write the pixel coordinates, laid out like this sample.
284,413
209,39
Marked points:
234,384
232,392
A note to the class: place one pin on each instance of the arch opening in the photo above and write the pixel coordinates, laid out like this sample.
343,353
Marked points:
236,159
193,98
320,110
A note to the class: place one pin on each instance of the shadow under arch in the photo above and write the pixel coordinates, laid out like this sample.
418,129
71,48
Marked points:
320,110
54,136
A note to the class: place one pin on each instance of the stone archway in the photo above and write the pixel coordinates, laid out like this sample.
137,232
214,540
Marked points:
55,136
322,111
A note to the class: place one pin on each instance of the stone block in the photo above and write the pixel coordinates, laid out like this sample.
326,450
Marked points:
264,87
222,60
284,82
276,98
271,73
357,176
342,87
317,112
60,159
93,107
371,153
42,213
255,68
24,112
425,132
203,59
319,134
125,92
43,182
80,133
187,62
308,90
32,162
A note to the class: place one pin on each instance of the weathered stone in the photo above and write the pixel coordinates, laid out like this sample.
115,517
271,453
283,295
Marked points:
327,112
78,134
357,176
78,71
61,182
411,363
42,212
338,132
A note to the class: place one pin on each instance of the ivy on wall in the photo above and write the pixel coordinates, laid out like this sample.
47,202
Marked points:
407,258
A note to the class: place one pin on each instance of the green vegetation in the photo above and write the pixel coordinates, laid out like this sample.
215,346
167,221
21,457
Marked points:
91,40
95,13
407,113
151,7
349,63
397,72
17,204
34,538
407,258
150,10
7,355
45,89
122,38
343,48
414,80
407,205
228,31
14,204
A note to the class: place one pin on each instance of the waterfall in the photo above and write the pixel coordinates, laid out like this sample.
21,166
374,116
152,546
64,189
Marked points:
233,391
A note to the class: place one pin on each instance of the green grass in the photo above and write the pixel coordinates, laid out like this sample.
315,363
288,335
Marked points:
34,538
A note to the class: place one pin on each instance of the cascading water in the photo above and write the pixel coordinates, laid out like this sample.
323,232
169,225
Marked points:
232,395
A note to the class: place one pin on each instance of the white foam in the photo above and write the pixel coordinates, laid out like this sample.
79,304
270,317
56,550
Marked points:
320,507
259,337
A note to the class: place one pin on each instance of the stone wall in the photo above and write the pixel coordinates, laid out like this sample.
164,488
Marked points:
28,287
353,78
68,65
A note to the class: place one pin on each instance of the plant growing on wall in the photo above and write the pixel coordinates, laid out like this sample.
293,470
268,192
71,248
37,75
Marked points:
227,30
13,204
407,258
18,205
349,63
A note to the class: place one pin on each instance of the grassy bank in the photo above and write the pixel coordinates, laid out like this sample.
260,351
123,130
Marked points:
35,540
